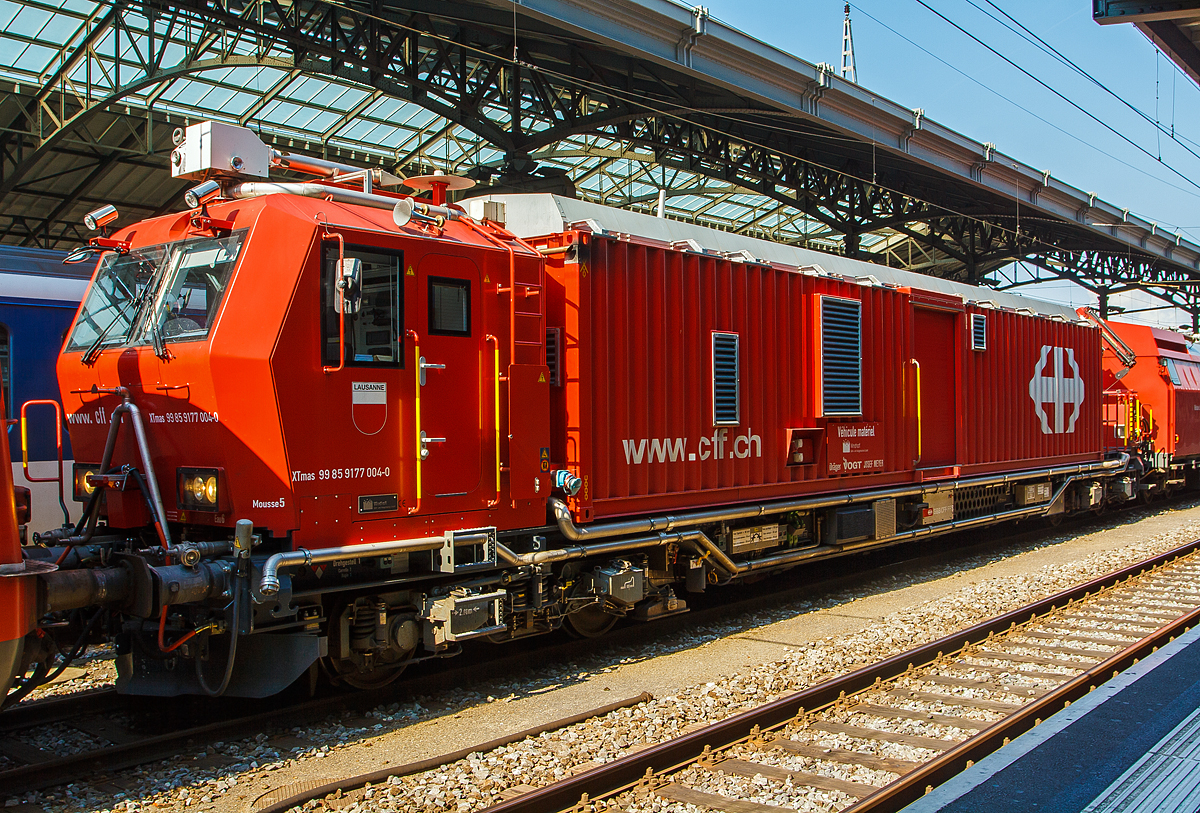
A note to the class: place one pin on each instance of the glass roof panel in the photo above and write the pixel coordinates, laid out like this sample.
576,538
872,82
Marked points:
33,58
8,11
185,92
279,112
29,21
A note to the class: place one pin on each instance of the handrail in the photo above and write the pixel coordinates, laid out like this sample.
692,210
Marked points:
500,289
1121,350
59,444
417,411
496,417
916,364
333,235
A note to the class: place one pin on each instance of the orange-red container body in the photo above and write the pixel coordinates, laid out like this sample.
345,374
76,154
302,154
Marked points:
635,418
1169,396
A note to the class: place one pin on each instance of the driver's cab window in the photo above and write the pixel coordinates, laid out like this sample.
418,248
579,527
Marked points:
373,303
449,307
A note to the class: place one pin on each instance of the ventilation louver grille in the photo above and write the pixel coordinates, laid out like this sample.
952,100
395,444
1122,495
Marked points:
841,356
726,401
554,355
978,331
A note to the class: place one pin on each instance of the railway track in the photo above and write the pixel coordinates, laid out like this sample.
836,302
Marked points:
877,738
106,733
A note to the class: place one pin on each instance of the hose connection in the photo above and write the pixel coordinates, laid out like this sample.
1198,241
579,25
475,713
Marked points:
569,483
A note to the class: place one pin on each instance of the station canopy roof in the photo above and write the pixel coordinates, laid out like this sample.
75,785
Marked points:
90,93
109,160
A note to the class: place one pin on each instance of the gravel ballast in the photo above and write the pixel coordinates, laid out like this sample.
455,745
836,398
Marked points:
697,677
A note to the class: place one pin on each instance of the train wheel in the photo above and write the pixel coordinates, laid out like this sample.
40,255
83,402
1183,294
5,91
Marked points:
349,675
590,622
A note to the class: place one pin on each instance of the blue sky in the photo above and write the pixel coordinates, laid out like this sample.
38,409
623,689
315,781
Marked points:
908,54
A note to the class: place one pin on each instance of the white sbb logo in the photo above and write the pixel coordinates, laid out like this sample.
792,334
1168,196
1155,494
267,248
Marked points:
1057,390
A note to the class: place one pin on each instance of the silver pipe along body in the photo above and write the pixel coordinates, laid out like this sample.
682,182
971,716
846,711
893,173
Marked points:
269,583
576,533
339,194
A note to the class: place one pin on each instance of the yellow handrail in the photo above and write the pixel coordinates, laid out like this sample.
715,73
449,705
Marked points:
58,440
917,365
417,411
496,401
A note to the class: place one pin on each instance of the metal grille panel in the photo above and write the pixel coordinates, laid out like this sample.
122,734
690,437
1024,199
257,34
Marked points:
726,400
979,501
978,331
841,356
885,518
554,355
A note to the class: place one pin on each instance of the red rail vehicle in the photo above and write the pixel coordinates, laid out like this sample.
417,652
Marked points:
319,423
1152,404
16,585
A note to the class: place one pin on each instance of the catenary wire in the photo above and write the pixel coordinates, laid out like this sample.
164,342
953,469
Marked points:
1021,107
1059,94
1037,40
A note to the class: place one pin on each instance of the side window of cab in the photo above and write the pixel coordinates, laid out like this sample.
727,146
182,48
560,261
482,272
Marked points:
374,307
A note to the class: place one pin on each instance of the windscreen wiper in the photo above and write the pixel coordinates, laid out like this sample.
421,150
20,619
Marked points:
93,352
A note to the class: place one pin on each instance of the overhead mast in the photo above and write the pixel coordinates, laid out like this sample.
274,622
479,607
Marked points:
848,71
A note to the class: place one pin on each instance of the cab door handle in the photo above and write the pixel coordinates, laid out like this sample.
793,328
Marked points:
424,365
427,440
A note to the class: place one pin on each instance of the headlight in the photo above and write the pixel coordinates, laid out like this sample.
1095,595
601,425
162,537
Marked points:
80,486
199,489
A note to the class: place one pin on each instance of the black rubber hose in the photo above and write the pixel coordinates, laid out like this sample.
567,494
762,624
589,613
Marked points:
233,640
43,674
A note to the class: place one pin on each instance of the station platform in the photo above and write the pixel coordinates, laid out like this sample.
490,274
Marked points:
1132,745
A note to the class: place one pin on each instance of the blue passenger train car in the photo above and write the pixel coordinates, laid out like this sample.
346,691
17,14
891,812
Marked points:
38,299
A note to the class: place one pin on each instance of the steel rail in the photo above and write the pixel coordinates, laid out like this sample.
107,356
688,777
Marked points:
53,709
912,786
31,714
626,772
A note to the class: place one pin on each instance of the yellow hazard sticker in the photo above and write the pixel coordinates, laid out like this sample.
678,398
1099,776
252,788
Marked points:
410,272
583,272
541,378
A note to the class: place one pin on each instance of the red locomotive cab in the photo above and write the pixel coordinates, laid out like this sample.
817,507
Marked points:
313,367
1158,377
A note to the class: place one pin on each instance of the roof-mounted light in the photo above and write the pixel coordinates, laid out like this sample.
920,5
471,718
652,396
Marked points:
201,194
99,218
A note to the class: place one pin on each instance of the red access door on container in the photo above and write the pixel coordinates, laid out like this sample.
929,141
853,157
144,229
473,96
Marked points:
451,333
936,351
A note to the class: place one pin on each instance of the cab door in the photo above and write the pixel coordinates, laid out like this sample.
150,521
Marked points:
451,338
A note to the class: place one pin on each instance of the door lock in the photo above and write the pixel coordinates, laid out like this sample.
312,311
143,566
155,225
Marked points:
427,440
